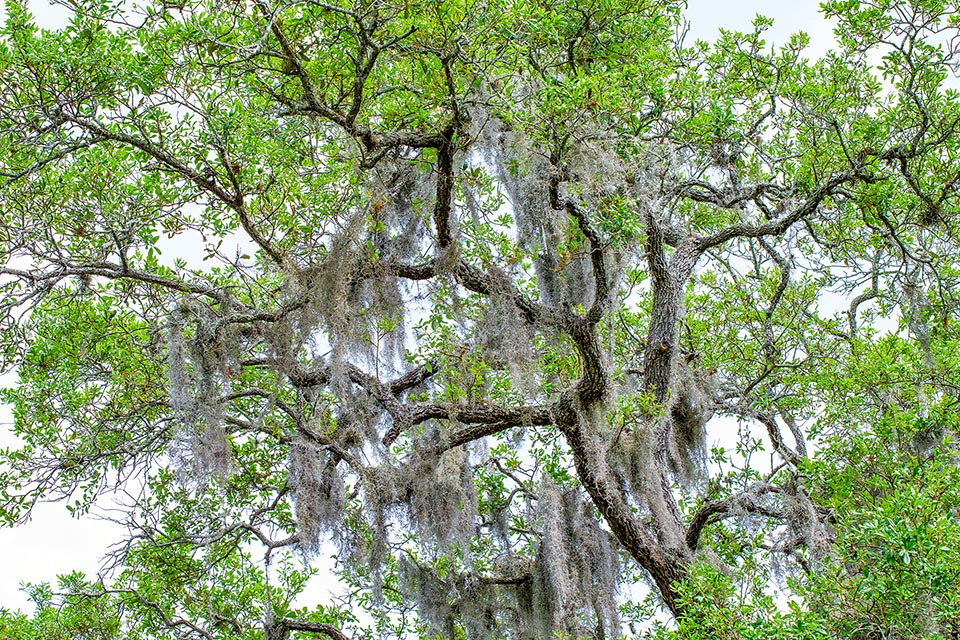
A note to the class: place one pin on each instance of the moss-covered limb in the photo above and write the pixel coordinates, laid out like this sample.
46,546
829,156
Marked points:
280,630
385,391
664,556
461,434
472,279
476,421
740,503
598,262
477,281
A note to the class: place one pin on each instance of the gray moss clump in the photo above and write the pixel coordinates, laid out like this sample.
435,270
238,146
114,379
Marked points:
198,369
442,499
318,493
573,586
690,408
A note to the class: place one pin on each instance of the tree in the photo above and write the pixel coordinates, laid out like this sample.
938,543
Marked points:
513,266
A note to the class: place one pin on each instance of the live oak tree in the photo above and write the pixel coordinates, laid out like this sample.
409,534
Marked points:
534,303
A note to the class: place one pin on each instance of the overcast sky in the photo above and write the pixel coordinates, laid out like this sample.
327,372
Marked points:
54,543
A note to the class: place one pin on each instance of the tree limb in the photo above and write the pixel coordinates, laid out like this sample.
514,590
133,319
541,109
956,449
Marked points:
282,629
719,509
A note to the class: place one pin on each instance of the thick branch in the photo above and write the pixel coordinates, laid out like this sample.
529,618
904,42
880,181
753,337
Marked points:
665,566
593,384
484,419
719,509
664,314
283,628
668,278
413,378
443,206
702,191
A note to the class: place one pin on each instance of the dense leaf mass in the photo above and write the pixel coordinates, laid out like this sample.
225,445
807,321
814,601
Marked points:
538,318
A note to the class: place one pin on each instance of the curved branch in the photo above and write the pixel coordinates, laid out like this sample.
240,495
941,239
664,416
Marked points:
482,419
281,630
472,279
60,154
702,191
114,271
321,439
666,566
718,509
769,421
594,382
779,225
483,283
596,260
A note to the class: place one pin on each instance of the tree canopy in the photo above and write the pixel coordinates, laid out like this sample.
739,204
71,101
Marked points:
553,322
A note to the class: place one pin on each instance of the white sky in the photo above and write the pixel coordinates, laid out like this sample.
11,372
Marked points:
53,543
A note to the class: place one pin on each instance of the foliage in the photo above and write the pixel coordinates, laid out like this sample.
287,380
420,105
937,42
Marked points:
538,318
